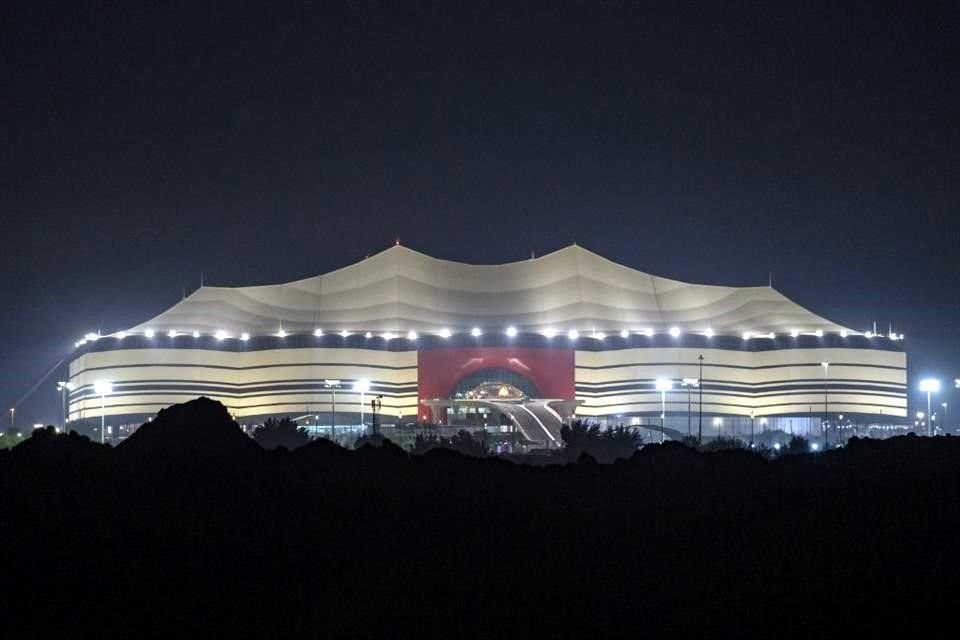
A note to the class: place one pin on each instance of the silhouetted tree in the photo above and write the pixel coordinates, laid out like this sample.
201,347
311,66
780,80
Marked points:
797,445
604,446
723,443
284,432
425,442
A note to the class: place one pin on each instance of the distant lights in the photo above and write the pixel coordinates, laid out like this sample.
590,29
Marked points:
318,333
708,332
172,333
843,333
776,446
624,333
794,333
344,333
81,342
475,332
814,446
573,334
445,333
648,333
281,334
121,335
549,332
675,332
511,332
747,335
149,333
412,335
819,333
600,335
220,334
868,334
91,337
368,335
244,336
196,334
389,336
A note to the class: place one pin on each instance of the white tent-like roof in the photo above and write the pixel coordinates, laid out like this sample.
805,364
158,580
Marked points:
399,290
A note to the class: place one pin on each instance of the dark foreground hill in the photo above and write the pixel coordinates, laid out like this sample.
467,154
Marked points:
173,534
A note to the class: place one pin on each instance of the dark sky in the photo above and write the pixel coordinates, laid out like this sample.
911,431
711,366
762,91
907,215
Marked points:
145,144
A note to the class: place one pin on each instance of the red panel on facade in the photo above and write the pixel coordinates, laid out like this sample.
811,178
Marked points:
439,370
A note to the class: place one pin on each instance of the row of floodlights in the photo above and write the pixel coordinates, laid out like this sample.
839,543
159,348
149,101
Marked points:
476,332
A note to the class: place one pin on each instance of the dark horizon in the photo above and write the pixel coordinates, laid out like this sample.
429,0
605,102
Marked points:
148,145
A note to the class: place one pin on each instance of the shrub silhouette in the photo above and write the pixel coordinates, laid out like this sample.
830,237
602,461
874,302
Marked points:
284,432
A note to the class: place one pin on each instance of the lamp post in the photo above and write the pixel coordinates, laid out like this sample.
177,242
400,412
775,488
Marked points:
946,425
333,385
362,385
752,412
930,386
826,378
689,383
63,387
663,385
13,419
103,388
700,404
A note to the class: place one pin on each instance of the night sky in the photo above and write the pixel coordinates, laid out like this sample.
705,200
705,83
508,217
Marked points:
145,144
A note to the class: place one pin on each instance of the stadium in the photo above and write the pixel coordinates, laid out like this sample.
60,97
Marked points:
521,347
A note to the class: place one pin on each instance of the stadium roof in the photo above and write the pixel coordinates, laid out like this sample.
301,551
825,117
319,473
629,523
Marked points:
399,290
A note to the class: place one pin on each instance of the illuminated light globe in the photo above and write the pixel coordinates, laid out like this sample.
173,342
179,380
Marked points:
675,332
149,333
412,335
475,332
930,385
444,333
103,387
511,332
708,332
663,384
573,334
318,333
624,333
549,332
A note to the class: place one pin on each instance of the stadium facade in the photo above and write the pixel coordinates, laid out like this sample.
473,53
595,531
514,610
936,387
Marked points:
527,344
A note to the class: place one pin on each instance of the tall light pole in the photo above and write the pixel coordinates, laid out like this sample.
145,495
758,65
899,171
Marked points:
63,387
362,385
752,413
945,424
826,378
930,386
700,404
333,385
13,418
663,385
103,388
689,383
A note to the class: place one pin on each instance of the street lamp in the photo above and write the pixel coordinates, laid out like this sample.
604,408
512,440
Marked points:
700,403
63,387
663,385
362,385
689,383
944,423
826,377
102,388
13,416
718,424
929,386
752,414
333,385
